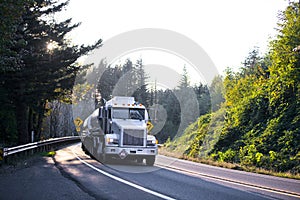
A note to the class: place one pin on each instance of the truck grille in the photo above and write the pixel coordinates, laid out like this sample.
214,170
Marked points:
133,137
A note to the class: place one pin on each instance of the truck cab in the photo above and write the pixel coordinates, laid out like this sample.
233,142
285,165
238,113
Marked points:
121,132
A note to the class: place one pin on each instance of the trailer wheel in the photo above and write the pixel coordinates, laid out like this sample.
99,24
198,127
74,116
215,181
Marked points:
150,160
83,148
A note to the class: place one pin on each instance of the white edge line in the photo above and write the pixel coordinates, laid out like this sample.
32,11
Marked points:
122,180
230,181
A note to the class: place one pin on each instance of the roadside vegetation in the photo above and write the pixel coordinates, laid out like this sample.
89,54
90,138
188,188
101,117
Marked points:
257,126
167,152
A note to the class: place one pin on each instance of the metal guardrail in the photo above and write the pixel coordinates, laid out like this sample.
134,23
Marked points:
5,152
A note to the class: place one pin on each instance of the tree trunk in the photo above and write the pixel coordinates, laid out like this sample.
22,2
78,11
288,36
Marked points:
40,120
30,122
22,122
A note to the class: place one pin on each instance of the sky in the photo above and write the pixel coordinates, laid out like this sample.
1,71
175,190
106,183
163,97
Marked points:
226,30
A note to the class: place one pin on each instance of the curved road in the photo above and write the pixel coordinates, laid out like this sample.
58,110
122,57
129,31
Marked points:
169,178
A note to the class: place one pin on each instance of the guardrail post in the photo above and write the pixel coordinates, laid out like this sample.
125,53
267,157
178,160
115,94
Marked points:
32,136
1,155
4,154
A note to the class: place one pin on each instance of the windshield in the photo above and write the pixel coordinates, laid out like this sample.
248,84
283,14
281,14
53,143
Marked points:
137,114
125,113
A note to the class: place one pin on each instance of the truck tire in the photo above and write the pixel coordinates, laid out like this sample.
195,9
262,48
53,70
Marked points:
139,160
83,148
150,160
103,156
105,159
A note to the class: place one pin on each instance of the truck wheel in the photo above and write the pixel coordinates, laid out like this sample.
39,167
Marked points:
139,160
105,159
150,160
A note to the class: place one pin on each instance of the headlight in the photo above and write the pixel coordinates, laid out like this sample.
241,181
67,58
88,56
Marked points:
151,140
112,140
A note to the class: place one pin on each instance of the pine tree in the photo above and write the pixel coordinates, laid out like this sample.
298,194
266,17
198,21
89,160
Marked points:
184,81
141,94
10,16
43,73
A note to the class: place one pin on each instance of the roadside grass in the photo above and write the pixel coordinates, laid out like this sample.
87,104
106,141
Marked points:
164,151
48,154
17,162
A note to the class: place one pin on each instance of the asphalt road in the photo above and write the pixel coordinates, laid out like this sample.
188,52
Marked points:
84,178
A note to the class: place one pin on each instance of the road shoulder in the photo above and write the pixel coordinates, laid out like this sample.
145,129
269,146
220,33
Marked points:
37,178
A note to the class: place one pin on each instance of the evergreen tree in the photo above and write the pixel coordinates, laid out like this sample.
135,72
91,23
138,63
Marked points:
47,63
184,81
141,93
10,16
126,80
171,104
217,93
203,96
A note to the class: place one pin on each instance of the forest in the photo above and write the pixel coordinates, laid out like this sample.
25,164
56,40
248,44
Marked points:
174,102
250,116
37,66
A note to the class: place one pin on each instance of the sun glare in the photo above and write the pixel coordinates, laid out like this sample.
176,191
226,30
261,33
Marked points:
51,46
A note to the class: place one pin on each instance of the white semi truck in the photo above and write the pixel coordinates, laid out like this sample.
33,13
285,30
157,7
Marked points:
119,130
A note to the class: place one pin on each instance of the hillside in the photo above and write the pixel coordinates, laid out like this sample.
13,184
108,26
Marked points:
259,123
